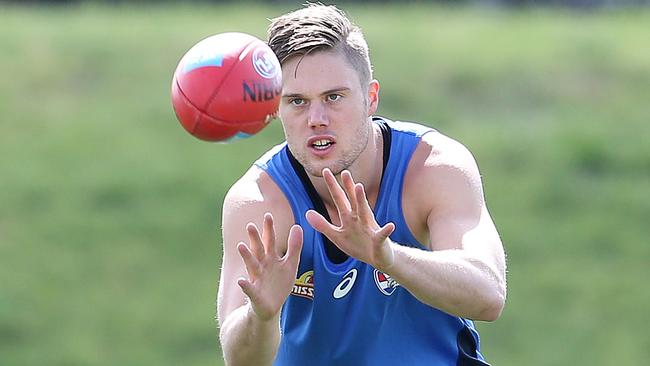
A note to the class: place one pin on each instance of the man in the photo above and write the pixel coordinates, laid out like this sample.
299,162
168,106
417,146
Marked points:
361,241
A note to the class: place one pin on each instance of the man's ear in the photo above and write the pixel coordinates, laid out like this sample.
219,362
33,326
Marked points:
373,97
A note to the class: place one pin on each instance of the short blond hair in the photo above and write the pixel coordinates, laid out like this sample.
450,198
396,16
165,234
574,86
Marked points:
318,27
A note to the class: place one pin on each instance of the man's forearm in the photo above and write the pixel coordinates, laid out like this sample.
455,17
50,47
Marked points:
450,280
248,340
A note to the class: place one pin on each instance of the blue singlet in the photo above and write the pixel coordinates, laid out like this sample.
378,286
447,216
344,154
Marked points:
349,313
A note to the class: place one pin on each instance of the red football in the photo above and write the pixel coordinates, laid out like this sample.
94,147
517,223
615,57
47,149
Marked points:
228,85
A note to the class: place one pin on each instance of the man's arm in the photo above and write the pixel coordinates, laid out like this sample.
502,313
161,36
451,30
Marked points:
465,271
468,282
464,274
257,273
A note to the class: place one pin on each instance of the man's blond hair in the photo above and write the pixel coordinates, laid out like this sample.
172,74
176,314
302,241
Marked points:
318,27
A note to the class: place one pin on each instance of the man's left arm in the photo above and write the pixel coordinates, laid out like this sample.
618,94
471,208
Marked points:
464,273
468,282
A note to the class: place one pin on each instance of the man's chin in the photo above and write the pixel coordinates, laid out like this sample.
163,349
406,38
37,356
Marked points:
317,170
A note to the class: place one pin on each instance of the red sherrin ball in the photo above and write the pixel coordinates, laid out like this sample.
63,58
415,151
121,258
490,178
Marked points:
227,85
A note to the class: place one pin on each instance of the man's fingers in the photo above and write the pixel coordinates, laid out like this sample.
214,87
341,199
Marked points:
252,264
248,289
348,186
318,222
363,207
294,246
385,231
257,246
338,194
268,235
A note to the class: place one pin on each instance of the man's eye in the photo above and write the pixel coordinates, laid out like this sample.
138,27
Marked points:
297,101
333,97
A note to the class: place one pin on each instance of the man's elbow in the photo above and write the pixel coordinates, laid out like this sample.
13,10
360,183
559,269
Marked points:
493,305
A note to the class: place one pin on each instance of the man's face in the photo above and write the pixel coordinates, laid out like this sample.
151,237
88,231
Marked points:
324,111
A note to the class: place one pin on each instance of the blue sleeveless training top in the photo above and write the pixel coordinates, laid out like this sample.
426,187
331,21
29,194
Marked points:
349,313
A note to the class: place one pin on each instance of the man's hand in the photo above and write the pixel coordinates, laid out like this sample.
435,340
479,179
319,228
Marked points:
270,275
359,234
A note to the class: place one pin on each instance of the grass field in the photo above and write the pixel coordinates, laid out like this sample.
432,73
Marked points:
110,212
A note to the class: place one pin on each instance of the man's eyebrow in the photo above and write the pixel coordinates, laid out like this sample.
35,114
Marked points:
336,90
292,95
326,92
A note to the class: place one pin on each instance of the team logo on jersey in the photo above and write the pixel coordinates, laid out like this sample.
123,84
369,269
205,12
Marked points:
346,284
385,283
304,286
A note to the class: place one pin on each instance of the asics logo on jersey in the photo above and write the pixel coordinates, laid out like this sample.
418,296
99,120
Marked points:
346,284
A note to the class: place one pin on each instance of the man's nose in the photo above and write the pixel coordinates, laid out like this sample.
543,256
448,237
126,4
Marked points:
317,115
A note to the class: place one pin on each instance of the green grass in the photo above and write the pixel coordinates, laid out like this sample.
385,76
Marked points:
110,212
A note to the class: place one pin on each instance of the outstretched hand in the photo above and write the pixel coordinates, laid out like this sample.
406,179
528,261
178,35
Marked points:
359,235
270,275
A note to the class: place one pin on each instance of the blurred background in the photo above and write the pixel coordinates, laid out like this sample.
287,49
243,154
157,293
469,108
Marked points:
110,212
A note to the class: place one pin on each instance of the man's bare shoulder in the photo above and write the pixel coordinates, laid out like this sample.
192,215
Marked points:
254,194
255,190
441,151
447,166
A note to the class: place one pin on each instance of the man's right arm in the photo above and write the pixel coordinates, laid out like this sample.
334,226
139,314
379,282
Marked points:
260,260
